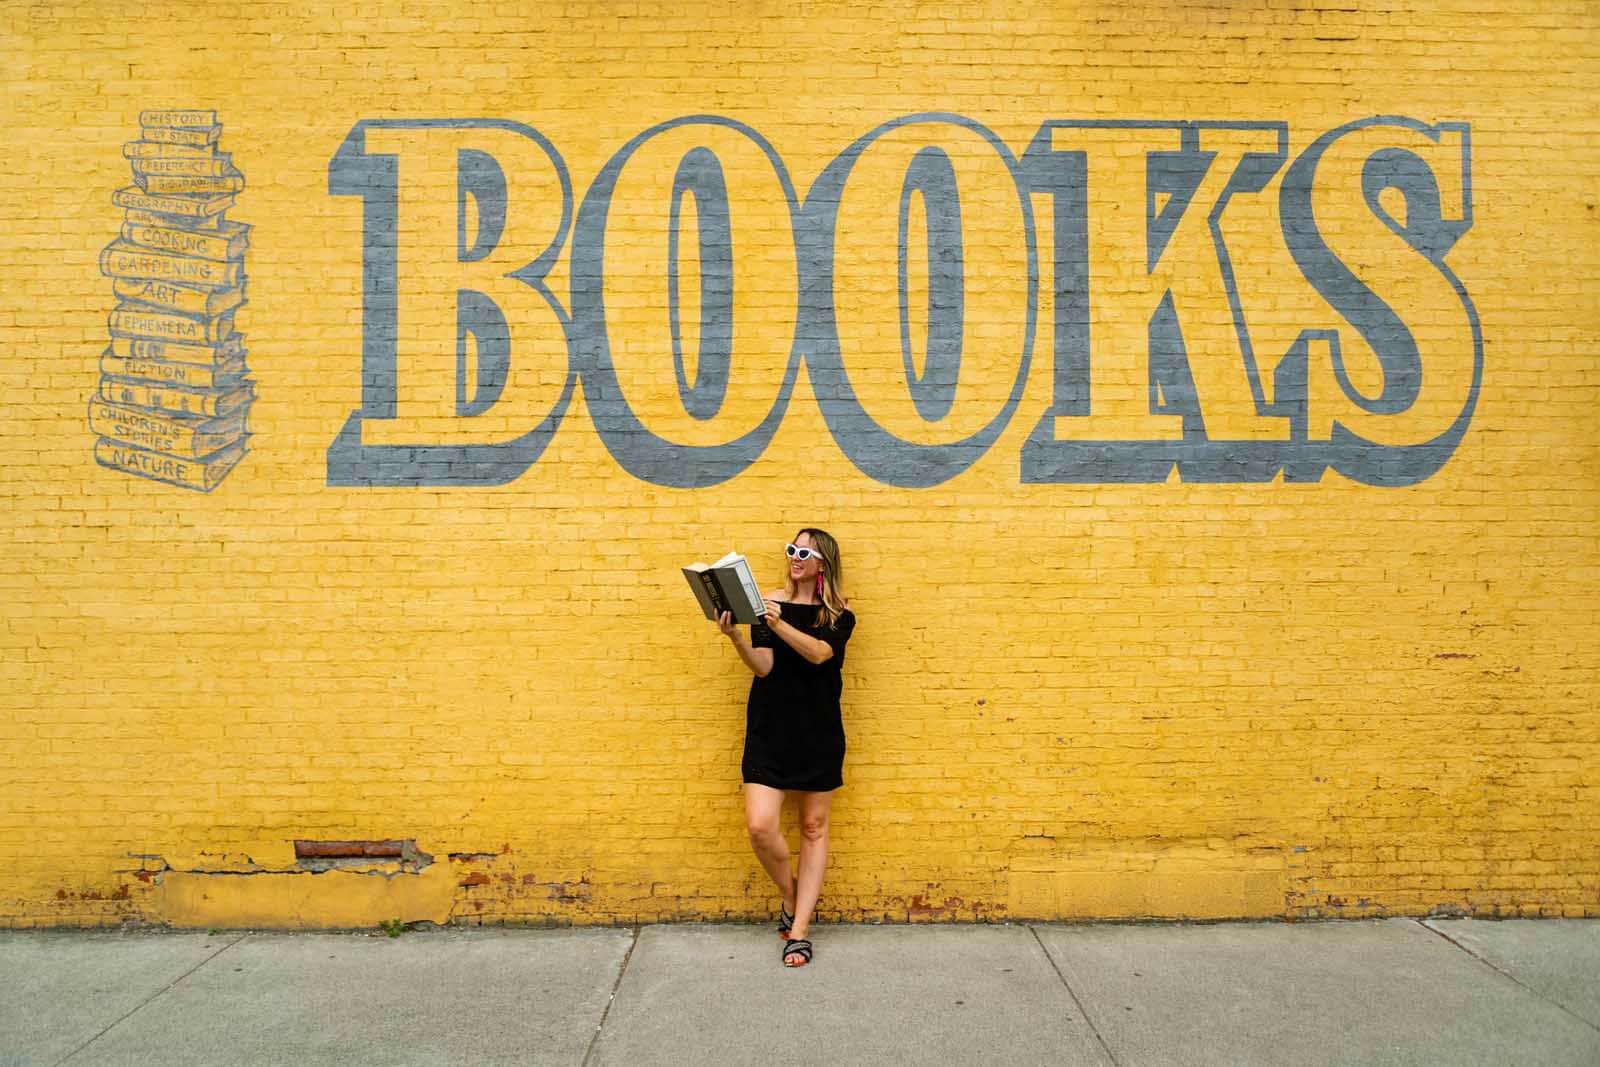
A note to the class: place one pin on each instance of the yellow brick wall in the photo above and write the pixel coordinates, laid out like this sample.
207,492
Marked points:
1073,699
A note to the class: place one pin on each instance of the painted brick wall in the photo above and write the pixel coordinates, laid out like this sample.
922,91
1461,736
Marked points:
1084,684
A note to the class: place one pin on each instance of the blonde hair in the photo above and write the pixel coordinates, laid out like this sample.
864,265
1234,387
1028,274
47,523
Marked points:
833,598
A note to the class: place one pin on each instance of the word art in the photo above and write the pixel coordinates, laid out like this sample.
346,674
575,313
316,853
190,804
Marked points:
471,354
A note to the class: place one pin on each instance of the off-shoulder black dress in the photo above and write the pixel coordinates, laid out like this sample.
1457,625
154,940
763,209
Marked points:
794,735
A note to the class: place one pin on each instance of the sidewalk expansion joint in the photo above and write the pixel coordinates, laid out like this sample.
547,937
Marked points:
1093,1029
1507,974
626,956
158,993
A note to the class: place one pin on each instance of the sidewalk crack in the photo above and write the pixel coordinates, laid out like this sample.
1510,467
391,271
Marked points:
1093,1029
626,956
158,993
1424,924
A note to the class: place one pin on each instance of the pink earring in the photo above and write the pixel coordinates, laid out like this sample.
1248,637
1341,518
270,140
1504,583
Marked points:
819,583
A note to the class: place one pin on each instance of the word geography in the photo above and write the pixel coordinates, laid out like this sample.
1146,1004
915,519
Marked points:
1214,308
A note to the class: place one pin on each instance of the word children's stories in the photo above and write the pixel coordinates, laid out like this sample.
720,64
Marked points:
174,391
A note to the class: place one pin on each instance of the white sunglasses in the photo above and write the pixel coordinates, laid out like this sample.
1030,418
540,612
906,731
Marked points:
801,554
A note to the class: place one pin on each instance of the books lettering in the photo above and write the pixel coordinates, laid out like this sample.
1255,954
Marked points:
133,320
159,370
174,390
228,182
183,117
196,166
123,258
181,298
175,135
192,206
176,399
228,241
202,355
184,436
157,150
140,217
202,474
726,585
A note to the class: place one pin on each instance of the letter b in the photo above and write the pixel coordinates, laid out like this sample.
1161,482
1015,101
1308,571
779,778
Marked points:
466,362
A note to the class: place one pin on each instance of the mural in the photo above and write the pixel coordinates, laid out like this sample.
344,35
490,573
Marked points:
174,390
1154,366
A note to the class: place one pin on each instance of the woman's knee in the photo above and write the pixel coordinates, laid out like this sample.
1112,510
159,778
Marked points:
763,831
814,827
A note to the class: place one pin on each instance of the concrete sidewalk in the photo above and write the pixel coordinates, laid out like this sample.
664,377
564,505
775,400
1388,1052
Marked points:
1360,992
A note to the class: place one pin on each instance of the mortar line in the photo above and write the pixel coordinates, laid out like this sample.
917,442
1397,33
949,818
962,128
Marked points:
588,1053
158,993
1424,924
1093,1029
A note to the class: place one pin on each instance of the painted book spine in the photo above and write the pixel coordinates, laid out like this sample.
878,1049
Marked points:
202,474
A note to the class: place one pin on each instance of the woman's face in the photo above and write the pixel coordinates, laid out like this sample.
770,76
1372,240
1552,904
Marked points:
803,573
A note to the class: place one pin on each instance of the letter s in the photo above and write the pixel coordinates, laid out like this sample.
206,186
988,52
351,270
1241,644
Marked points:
1428,373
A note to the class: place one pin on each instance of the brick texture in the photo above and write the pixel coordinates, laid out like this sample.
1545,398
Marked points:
1063,700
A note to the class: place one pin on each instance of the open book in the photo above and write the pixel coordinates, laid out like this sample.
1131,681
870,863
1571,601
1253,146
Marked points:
727,585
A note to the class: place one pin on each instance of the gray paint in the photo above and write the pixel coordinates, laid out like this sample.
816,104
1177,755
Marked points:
638,450
875,451
933,392
1173,178
373,177
700,174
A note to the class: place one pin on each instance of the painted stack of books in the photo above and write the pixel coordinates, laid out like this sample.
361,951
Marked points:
174,390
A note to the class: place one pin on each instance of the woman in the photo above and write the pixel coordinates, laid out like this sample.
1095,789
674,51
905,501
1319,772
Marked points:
794,737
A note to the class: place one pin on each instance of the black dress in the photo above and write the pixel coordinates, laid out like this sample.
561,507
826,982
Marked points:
794,735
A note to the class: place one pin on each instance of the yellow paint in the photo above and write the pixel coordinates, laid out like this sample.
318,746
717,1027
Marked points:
305,900
1062,701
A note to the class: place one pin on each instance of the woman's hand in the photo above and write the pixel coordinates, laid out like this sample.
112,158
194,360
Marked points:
725,624
774,612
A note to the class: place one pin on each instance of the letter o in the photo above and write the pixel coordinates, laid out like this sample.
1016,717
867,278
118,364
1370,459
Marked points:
642,452
877,452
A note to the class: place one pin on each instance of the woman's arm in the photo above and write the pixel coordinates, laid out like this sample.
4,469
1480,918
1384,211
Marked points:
811,649
759,660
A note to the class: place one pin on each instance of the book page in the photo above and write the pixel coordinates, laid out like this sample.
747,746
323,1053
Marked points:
747,580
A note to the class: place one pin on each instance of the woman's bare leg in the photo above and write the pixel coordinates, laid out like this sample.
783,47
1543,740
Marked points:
813,859
762,807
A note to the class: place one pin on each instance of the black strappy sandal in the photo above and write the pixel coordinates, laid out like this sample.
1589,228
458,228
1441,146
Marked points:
801,948
785,922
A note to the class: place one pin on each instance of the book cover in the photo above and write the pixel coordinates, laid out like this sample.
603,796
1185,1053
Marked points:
175,135
706,591
200,355
229,182
158,150
140,217
198,207
185,436
204,474
185,299
163,372
727,585
176,399
124,259
228,241
133,320
211,166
